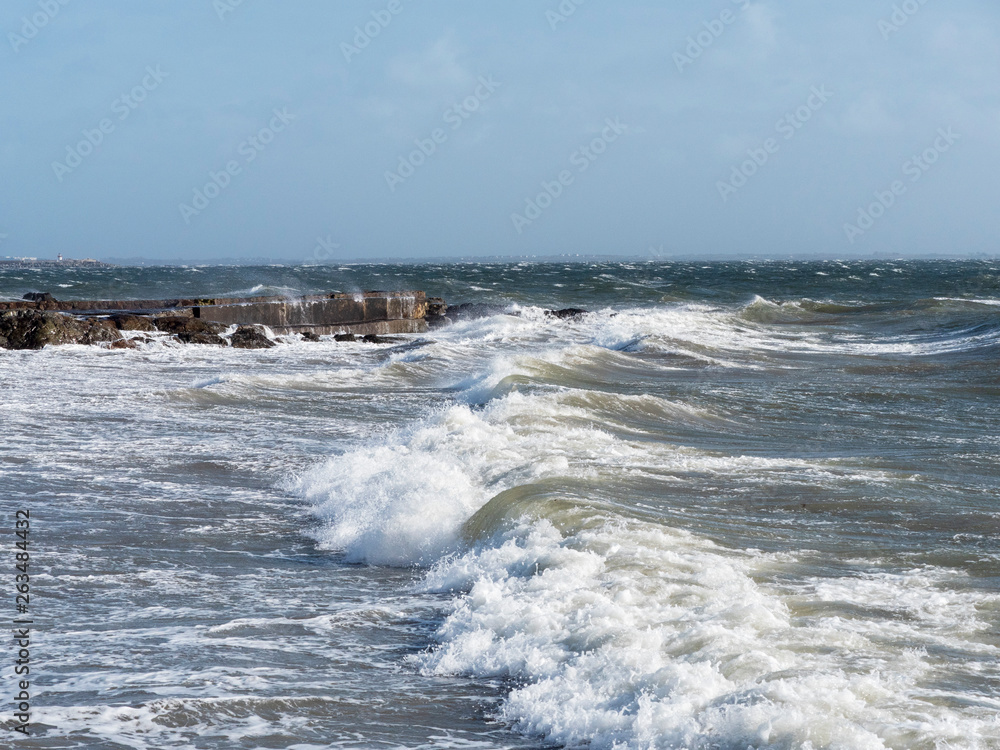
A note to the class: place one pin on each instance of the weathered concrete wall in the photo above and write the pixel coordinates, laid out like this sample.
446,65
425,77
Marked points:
341,313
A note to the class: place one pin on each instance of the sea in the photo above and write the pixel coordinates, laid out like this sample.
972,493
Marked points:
734,505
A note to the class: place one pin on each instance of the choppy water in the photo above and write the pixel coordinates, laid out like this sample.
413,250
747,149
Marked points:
741,505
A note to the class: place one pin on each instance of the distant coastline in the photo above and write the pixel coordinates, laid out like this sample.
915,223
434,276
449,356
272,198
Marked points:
60,263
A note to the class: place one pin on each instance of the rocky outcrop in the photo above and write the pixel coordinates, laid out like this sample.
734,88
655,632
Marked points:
201,337
177,324
34,329
368,338
250,337
125,322
191,330
99,331
436,307
472,310
39,297
569,312
437,312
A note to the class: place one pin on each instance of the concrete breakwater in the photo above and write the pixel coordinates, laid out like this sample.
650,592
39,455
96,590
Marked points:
39,319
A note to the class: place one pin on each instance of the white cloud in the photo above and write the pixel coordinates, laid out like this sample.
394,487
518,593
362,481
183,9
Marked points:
437,67
869,114
761,23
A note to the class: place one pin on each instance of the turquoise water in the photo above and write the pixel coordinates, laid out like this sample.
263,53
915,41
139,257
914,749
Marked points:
736,505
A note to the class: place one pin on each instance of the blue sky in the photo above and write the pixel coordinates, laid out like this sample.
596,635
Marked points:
473,128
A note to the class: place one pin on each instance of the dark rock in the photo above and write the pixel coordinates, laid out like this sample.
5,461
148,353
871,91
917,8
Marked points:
39,297
436,307
100,331
371,338
180,324
472,310
345,337
569,312
126,322
200,337
124,344
34,329
250,337
309,336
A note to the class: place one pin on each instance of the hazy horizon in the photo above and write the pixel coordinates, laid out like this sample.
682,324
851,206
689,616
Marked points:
204,130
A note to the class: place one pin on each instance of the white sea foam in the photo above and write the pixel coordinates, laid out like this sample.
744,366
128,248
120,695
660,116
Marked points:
626,634
719,336
403,498
633,636
989,301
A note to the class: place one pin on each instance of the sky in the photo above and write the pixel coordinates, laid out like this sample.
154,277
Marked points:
334,130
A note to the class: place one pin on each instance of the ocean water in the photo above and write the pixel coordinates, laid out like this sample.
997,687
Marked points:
738,505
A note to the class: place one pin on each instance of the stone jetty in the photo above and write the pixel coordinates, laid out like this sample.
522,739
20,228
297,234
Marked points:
39,319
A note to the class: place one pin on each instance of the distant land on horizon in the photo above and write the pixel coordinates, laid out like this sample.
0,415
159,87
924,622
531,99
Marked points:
13,262
653,255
